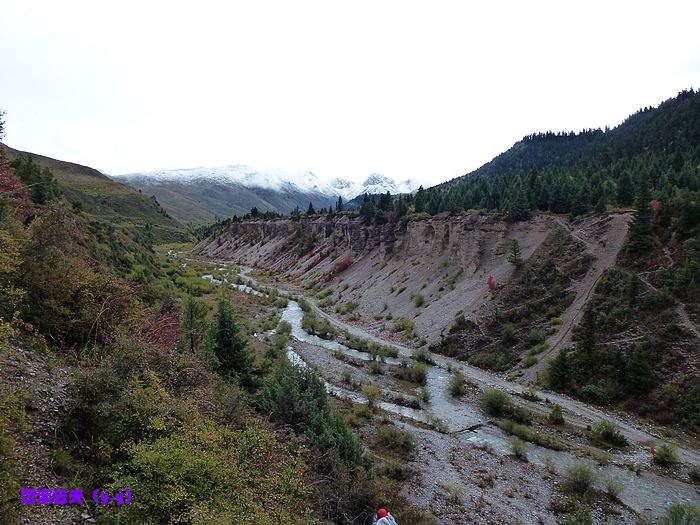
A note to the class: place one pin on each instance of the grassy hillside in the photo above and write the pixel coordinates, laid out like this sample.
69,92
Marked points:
207,200
104,199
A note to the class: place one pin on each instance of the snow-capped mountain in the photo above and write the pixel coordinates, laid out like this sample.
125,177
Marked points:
206,193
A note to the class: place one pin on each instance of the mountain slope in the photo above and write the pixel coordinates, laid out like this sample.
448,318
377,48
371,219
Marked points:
204,194
578,172
105,199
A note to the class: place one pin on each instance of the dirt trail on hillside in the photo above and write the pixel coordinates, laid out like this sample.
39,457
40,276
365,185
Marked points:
45,381
679,308
603,240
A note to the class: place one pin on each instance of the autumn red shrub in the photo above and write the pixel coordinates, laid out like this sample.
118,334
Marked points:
342,265
491,283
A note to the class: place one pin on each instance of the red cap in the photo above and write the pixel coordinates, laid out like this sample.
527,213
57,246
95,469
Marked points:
382,513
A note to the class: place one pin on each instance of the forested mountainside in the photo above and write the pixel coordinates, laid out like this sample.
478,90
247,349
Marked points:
581,172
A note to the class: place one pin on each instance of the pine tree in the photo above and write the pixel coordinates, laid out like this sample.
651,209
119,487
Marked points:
339,204
419,200
515,256
639,236
639,377
41,181
385,201
632,289
230,347
560,372
310,210
367,209
625,191
194,314
588,331
520,208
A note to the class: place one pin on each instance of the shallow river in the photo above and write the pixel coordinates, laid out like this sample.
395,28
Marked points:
647,493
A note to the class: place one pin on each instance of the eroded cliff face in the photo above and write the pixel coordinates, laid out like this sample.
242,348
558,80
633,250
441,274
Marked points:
426,270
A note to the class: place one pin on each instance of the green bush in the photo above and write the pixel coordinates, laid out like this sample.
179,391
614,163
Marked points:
418,300
423,356
538,349
607,432
457,385
521,414
376,368
402,324
581,515
496,403
555,321
396,470
529,361
555,416
215,475
528,434
395,439
296,396
284,327
666,455
519,448
535,336
61,461
579,479
323,328
372,394
416,373
600,393
679,514
508,332
694,474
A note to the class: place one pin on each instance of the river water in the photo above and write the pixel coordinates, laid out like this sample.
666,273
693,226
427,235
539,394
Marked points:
647,493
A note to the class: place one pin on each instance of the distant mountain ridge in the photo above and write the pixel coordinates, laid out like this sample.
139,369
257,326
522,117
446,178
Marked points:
203,194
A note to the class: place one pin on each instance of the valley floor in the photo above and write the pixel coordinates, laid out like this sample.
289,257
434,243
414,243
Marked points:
472,474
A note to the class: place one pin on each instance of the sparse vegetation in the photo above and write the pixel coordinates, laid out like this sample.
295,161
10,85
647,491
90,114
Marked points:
555,416
666,455
414,373
457,385
372,394
417,299
613,487
398,441
579,479
607,432
519,448
376,368
681,514
423,356
496,403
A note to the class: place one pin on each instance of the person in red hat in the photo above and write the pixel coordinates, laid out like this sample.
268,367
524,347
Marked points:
383,518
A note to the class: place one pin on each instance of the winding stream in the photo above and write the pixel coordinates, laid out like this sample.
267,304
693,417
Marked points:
647,493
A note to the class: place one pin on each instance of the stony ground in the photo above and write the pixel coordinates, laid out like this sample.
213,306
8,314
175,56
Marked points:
44,381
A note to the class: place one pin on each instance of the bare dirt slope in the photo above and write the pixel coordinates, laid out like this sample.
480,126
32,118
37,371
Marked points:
427,270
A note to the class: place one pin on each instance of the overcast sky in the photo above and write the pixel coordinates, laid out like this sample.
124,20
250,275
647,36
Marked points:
428,89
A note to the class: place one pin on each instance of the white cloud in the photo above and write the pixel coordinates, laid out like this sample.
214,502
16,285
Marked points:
408,89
